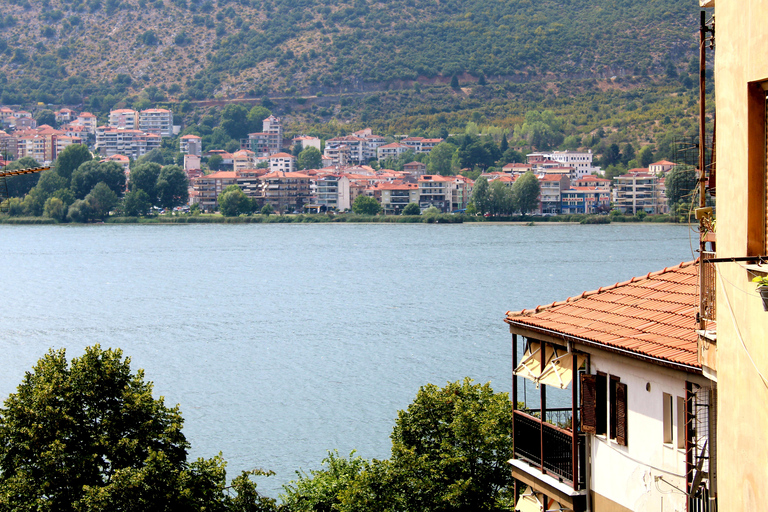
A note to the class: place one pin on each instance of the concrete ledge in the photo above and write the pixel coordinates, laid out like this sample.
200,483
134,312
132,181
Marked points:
552,487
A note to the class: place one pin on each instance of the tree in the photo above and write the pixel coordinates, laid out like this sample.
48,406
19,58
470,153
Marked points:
100,200
451,448
92,172
144,177
70,159
440,159
680,183
526,192
136,203
256,116
172,186
365,205
454,82
55,209
500,199
233,201
481,195
46,116
162,156
234,121
19,186
310,158
411,209
646,156
215,162
88,435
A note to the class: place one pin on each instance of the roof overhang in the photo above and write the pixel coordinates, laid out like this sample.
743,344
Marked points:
560,338
706,3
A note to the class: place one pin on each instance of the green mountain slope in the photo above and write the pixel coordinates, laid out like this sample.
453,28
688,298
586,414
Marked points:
101,51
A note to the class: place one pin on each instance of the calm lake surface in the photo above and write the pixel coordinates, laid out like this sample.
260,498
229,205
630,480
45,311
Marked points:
281,342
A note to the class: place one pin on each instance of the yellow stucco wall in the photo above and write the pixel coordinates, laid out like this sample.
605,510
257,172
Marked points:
741,57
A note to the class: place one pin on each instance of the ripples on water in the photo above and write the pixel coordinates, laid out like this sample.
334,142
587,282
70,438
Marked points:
281,342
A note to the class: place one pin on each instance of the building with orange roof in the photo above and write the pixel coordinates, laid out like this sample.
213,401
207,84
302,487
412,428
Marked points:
191,145
392,150
624,359
396,196
133,143
208,188
592,181
125,118
661,167
9,149
437,191
552,187
64,115
330,192
243,159
286,191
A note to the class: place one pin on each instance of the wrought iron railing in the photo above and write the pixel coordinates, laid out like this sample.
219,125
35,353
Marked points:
531,435
707,286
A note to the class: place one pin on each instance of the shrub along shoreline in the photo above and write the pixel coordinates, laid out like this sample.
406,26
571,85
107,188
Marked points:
443,218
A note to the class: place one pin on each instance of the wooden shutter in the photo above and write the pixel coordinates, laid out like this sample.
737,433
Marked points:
588,403
613,417
621,413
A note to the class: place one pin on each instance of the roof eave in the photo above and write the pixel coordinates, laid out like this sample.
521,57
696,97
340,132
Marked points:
525,329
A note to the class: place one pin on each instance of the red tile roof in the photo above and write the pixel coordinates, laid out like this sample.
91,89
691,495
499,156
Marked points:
653,316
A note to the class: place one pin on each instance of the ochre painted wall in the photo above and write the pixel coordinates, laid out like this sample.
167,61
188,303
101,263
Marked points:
741,58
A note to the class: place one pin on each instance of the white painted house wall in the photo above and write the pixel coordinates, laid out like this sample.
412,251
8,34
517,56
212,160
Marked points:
632,475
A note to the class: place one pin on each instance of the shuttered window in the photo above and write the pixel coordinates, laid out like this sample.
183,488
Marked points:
612,395
765,169
588,404
601,407
621,413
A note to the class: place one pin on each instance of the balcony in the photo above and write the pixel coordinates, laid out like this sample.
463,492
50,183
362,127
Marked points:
559,444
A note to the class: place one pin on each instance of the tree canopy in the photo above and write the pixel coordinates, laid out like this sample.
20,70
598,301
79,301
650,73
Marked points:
310,158
364,205
526,190
88,435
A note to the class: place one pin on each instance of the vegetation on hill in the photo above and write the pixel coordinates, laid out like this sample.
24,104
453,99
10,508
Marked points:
99,52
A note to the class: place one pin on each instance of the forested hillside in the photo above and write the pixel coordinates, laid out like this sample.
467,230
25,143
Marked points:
99,52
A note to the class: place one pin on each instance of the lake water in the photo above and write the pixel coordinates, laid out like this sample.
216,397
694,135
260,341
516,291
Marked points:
281,342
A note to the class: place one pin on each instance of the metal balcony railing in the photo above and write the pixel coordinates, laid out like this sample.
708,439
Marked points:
707,295
531,436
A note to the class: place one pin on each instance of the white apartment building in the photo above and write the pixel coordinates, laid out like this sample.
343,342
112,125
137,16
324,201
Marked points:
191,145
132,143
393,150
156,120
331,191
581,161
124,118
282,162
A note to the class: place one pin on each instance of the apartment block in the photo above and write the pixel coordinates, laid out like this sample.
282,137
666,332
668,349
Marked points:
156,120
124,118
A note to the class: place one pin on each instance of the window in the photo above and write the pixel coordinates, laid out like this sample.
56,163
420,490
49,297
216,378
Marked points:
681,423
594,406
667,418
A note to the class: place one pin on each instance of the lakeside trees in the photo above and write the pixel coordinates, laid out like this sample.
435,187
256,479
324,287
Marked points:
88,435
449,453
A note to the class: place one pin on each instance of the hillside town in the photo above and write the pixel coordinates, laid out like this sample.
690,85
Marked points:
266,167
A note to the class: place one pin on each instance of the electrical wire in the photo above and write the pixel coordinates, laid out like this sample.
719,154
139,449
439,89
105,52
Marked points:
736,327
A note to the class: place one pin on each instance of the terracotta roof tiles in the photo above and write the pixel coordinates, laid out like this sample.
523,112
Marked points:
653,315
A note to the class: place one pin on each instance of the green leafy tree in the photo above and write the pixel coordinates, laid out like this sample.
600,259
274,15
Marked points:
500,200
172,186
88,435
70,159
440,159
92,172
233,201
451,447
234,121
34,202
680,184
267,210
55,209
454,82
215,162
101,200
19,186
46,116
526,190
135,203
144,177
256,116
411,209
310,158
481,195
162,156
365,205
646,156
324,489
